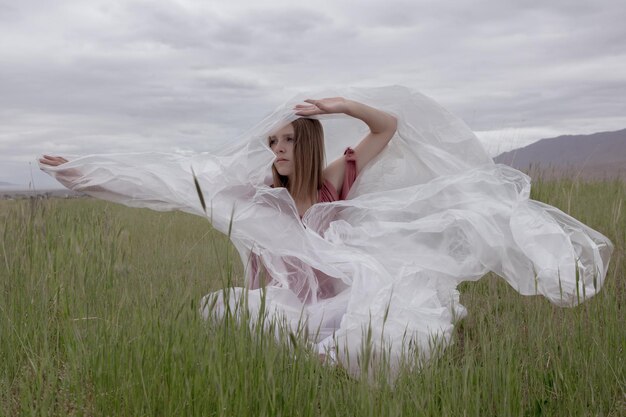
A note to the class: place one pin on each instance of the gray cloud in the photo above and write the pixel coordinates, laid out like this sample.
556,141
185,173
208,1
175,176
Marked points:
104,76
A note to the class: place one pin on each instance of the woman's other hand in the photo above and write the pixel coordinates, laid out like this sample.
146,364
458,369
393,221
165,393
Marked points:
54,161
66,176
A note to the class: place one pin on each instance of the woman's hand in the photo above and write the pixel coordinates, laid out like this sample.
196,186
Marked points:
323,106
54,161
66,176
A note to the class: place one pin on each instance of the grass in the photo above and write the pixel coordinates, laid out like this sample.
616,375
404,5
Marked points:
99,316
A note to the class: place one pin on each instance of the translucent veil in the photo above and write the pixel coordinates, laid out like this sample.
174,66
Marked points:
432,210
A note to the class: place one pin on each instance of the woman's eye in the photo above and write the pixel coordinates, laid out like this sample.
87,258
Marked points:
290,139
272,142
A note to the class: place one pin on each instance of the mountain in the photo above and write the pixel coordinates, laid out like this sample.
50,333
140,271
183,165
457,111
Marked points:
595,156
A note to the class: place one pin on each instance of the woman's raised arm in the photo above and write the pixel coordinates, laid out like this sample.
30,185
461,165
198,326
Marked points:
382,128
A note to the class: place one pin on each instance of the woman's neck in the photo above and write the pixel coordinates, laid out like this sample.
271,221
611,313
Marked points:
303,204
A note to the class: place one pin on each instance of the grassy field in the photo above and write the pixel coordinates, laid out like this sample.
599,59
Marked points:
99,316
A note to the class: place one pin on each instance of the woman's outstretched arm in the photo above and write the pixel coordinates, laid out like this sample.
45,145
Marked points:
382,128
153,180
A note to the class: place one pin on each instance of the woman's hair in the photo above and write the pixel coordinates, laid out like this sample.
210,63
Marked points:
308,155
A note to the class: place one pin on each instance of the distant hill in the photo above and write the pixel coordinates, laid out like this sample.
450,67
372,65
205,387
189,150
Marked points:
595,156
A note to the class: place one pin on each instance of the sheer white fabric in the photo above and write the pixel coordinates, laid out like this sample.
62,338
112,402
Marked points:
432,210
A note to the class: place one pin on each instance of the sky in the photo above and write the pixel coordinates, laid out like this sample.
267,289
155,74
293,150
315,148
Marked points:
92,76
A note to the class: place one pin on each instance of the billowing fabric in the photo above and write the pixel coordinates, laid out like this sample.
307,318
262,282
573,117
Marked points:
382,266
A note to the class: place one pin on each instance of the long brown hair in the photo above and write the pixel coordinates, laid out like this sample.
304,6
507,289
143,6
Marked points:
308,155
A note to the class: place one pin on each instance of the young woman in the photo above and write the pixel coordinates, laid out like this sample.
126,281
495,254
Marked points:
299,167
382,266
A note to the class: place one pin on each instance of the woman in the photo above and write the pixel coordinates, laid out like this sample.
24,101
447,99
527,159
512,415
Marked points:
428,210
299,167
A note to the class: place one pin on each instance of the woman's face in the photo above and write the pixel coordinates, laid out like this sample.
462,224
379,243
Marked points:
281,142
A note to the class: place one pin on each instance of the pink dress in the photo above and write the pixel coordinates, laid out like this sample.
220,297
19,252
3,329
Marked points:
327,286
328,193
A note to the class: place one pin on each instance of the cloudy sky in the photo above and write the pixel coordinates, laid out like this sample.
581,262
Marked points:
95,76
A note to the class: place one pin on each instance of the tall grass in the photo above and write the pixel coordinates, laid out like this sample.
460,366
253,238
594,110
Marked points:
99,316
